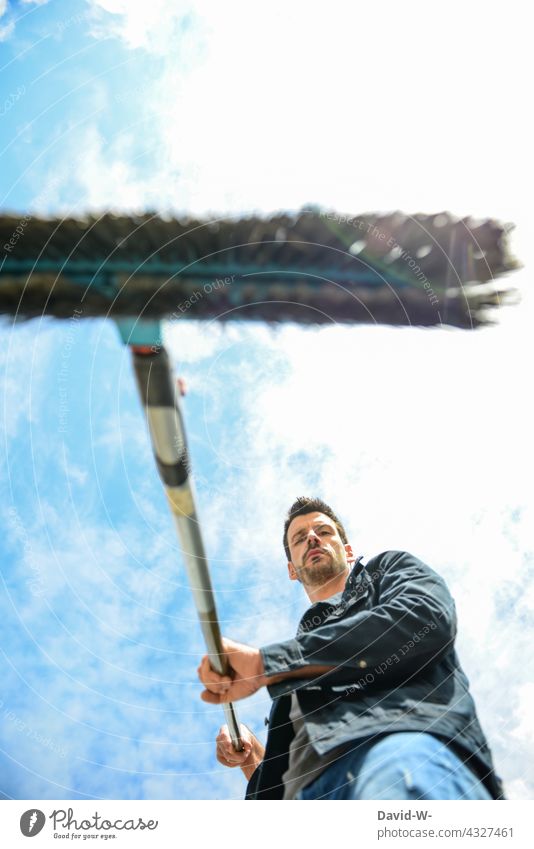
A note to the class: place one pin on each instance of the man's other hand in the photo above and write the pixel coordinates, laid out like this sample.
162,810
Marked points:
248,759
245,678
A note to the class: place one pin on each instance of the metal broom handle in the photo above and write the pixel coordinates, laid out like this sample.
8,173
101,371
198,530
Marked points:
160,401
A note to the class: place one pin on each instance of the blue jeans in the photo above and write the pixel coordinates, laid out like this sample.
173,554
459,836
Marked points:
404,765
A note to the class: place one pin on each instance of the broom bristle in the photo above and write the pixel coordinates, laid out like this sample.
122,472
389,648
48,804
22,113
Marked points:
310,267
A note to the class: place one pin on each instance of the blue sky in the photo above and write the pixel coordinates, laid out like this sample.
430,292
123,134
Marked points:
423,439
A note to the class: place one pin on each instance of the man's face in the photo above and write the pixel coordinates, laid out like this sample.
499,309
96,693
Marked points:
318,553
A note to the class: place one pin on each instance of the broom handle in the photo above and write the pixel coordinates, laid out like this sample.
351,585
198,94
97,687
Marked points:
165,423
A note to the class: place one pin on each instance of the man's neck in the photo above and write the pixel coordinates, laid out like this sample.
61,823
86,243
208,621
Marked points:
329,588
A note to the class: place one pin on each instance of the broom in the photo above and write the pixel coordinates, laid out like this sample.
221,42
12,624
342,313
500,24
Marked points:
311,267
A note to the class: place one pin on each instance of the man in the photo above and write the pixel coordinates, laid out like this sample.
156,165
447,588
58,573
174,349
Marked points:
369,699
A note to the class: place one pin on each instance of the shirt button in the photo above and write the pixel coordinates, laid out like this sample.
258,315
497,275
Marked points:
362,664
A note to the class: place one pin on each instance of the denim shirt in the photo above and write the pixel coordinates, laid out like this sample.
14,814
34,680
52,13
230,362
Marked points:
389,640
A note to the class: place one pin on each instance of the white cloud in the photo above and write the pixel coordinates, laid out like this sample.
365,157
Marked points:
6,31
155,27
24,360
190,341
252,114
9,28
106,178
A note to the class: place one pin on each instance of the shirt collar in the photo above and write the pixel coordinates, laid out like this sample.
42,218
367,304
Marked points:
318,612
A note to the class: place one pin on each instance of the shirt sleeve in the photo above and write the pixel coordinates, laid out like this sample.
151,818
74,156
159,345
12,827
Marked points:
412,624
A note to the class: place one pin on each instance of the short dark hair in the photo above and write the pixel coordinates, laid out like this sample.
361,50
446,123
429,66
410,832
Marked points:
304,505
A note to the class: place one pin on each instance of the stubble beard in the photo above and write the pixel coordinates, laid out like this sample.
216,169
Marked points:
318,574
